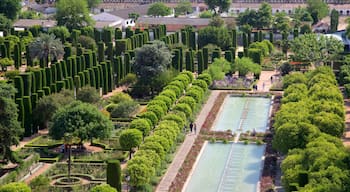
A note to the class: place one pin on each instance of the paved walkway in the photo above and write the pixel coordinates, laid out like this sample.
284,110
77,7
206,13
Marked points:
186,146
346,136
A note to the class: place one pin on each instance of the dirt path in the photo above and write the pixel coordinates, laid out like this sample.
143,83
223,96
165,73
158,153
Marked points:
26,140
36,173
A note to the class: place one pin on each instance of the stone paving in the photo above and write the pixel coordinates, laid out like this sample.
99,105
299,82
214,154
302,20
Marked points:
264,84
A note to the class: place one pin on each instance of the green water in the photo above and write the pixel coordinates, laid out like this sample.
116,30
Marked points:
231,167
246,113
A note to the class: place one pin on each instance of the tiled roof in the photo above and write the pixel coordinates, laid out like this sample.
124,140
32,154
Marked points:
172,21
30,22
124,13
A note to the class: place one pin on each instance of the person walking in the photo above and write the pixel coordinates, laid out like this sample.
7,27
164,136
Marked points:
195,128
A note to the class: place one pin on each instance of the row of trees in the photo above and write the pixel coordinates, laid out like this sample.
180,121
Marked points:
307,128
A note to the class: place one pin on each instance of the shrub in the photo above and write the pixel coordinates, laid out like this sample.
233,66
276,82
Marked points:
141,124
165,99
189,74
176,118
195,94
88,94
200,83
114,175
179,84
40,183
11,74
15,187
151,116
157,110
169,93
103,188
188,100
163,141
160,103
111,107
151,155
124,109
183,79
185,108
174,88
140,170
206,77
119,97
154,146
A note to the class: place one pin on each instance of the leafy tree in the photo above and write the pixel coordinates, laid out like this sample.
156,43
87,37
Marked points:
29,15
129,139
10,8
5,23
205,14
60,32
220,5
158,9
87,42
294,78
93,3
73,14
10,128
151,60
119,97
183,7
103,188
15,187
40,184
46,47
214,35
124,109
88,94
301,15
140,170
334,20
248,17
310,48
244,65
264,14
281,22
142,125
216,21
290,136
318,9
219,68
48,105
329,123
6,62
82,120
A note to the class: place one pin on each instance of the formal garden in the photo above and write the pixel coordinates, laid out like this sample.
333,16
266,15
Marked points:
62,82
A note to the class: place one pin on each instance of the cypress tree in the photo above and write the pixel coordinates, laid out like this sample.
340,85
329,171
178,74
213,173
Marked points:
20,107
43,75
234,38
69,67
3,51
261,36
8,49
59,71
53,88
38,79
176,59
17,56
271,36
109,76
200,61
28,59
60,85
74,66
118,34
27,104
107,35
114,175
33,83
104,71
41,93
67,51
82,79
87,77
101,51
27,83
205,57
127,59
97,35
188,61
228,56
19,87
64,69
47,90
77,83
54,73
97,77
110,51
92,77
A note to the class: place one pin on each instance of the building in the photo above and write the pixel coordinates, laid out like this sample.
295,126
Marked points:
22,24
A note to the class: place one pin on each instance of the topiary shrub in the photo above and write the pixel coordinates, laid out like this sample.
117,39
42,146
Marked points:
124,109
206,77
151,116
174,88
200,83
154,146
188,100
163,141
160,103
195,94
183,107
169,93
103,188
15,187
176,118
165,99
119,98
158,110
114,174
141,124
151,155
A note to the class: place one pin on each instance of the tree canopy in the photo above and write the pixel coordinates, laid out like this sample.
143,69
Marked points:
214,35
158,9
151,60
316,49
10,8
218,6
74,14
10,128
318,9
46,47
183,7
257,19
82,120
